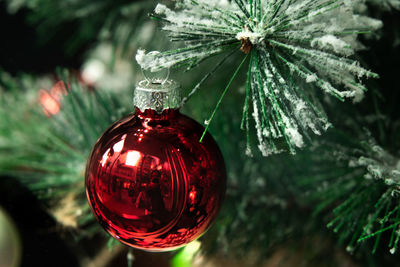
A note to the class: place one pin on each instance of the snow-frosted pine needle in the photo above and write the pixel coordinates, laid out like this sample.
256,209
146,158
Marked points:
361,182
295,47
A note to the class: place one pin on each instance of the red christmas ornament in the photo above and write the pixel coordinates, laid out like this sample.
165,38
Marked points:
149,181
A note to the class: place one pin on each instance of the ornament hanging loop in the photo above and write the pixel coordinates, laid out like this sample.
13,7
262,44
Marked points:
156,77
157,92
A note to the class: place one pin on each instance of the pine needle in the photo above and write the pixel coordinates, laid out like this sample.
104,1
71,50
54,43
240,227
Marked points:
222,97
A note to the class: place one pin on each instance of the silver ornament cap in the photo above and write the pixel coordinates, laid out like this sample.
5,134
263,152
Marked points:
157,92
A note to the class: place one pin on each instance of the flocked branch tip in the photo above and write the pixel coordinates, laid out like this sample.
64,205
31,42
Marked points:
295,48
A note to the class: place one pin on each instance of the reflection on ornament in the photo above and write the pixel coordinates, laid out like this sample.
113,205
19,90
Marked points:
132,158
50,101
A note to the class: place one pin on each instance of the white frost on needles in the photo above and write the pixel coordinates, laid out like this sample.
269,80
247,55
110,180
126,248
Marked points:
288,41
253,37
331,42
141,56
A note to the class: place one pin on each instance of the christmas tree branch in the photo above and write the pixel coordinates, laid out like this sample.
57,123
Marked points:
294,52
365,181
46,141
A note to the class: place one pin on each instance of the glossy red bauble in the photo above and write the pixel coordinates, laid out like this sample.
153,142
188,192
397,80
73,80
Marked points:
152,184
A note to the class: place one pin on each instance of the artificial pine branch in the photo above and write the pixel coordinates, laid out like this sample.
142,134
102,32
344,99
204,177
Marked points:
48,153
360,182
295,47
